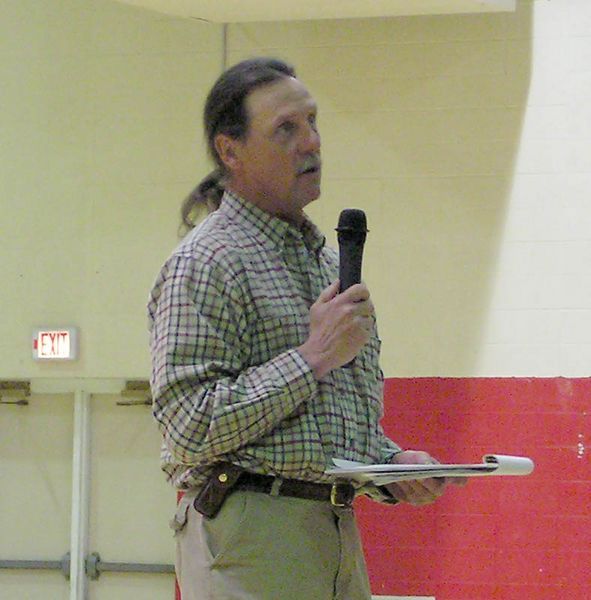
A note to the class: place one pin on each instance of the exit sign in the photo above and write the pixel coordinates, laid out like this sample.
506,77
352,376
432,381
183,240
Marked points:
55,344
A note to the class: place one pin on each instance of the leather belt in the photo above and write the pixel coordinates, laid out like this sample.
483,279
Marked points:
340,493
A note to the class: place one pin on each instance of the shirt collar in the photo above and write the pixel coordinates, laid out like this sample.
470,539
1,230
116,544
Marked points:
271,230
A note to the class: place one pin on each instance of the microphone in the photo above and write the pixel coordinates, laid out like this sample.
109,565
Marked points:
351,233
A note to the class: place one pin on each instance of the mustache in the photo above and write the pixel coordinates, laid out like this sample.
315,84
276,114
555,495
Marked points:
312,162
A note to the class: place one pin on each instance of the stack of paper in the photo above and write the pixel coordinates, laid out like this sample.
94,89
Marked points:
493,464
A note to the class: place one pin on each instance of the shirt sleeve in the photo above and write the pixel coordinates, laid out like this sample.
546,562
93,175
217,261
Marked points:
208,400
387,447
381,493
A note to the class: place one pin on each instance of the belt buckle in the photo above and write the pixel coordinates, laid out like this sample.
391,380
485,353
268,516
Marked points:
341,500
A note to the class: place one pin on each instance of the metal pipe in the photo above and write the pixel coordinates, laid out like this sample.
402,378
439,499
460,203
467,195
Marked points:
80,495
95,566
62,565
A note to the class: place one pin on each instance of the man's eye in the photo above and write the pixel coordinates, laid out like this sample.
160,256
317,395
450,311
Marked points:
287,127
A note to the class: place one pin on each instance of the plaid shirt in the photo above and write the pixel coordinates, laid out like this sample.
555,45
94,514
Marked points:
226,313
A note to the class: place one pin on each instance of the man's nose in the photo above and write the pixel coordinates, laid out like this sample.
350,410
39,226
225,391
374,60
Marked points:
310,141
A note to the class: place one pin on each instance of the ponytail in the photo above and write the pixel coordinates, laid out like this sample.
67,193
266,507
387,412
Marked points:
206,197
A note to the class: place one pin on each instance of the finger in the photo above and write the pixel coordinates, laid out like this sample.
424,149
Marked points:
434,486
425,490
460,481
365,323
363,308
398,491
412,457
327,294
405,491
413,493
355,293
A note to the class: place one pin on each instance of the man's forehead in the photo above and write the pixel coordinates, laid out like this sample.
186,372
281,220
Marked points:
282,97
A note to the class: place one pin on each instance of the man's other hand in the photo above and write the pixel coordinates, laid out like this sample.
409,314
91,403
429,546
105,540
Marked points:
421,491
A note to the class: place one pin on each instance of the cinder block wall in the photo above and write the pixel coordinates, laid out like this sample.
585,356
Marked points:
466,140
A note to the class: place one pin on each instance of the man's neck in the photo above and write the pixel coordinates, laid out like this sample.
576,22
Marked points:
265,204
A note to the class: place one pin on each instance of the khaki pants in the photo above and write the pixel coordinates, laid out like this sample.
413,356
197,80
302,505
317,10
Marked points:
262,547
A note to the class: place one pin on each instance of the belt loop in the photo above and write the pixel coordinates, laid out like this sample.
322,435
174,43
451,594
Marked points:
276,486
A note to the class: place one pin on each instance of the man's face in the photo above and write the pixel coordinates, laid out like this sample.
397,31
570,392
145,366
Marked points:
277,165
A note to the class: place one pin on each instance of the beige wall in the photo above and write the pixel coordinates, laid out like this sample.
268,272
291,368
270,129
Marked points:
100,111
99,121
421,119
465,138
35,479
129,507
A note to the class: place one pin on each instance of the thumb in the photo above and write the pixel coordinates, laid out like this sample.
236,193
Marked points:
329,293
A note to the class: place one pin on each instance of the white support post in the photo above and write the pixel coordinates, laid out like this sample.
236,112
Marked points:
80,495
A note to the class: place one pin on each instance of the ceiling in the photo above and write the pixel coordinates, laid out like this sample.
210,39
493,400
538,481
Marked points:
238,11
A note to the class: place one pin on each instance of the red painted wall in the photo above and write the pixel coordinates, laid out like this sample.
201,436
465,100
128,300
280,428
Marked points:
500,538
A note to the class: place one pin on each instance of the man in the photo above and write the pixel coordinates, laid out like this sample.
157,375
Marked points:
253,382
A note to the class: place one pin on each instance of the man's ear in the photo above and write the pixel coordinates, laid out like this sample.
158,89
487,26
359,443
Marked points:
227,149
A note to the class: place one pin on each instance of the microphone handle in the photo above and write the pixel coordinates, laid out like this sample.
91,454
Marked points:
351,253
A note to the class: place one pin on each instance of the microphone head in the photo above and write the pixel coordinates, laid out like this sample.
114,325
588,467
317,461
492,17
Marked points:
352,222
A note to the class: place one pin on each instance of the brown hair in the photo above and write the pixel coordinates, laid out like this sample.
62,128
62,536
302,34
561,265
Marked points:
225,112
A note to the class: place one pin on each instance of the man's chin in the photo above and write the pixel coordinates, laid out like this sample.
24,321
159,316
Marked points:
312,190
310,197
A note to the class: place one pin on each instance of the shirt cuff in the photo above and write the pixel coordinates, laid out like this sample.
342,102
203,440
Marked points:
389,452
294,373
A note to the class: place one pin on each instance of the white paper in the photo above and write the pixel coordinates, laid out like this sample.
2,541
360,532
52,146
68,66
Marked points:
492,464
